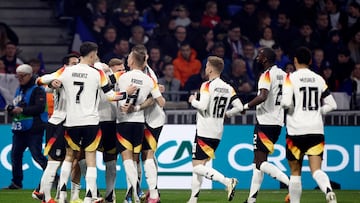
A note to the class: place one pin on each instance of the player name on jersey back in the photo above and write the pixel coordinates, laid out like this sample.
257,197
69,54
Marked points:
79,75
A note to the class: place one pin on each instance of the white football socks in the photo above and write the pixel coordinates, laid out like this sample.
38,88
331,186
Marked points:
151,177
131,173
211,174
64,177
256,180
295,189
274,172
91,174
47,178
322,180
195,186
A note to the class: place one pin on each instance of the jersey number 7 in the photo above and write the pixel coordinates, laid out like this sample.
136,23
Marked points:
81,88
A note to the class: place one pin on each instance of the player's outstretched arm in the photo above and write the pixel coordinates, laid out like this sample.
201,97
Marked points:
116,96
260,98
48,78
329,104
237,108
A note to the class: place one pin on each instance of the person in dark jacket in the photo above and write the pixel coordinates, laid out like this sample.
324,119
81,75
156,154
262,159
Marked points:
29,119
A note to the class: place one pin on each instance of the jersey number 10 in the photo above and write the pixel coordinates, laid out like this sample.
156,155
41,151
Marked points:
310,98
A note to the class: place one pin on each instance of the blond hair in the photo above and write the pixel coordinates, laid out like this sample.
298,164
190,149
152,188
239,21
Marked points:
217,63
115,62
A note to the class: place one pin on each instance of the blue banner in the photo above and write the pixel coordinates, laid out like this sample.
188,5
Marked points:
341,159
233,158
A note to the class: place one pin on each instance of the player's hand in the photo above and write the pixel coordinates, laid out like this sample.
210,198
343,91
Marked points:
56,84
161,88
192,97
125,108
131,89
105,68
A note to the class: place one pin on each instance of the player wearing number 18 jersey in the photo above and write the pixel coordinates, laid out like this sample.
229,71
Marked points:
307,96
215,97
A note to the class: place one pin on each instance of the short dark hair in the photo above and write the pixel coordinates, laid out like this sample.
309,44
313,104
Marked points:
87,47
269,54
355,5
303,55
66,58
185,43
166,65
34,61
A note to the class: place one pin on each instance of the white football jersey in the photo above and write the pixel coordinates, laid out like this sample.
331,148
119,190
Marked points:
215,97
304,90
82,84
108,109
59,113
270,112
146,86
154,115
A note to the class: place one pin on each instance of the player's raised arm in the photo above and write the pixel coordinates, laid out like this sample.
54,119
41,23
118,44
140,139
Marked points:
110,94
156,94
203,103
287,93
237,105
48,78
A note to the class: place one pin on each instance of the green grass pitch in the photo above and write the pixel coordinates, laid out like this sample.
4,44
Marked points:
206,196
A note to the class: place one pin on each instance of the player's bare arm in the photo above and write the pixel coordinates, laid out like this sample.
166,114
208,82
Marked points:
160,101
258,99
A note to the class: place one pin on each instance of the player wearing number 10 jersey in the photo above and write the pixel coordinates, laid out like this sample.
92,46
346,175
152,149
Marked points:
307,96
215,97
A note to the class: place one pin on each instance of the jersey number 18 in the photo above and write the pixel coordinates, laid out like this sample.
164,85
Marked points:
219,107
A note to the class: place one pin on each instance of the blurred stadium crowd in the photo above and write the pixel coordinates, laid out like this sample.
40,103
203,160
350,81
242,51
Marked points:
180,34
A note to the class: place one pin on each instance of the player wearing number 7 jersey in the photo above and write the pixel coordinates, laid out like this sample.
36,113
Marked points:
270,119
215,97
82,84
307,96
